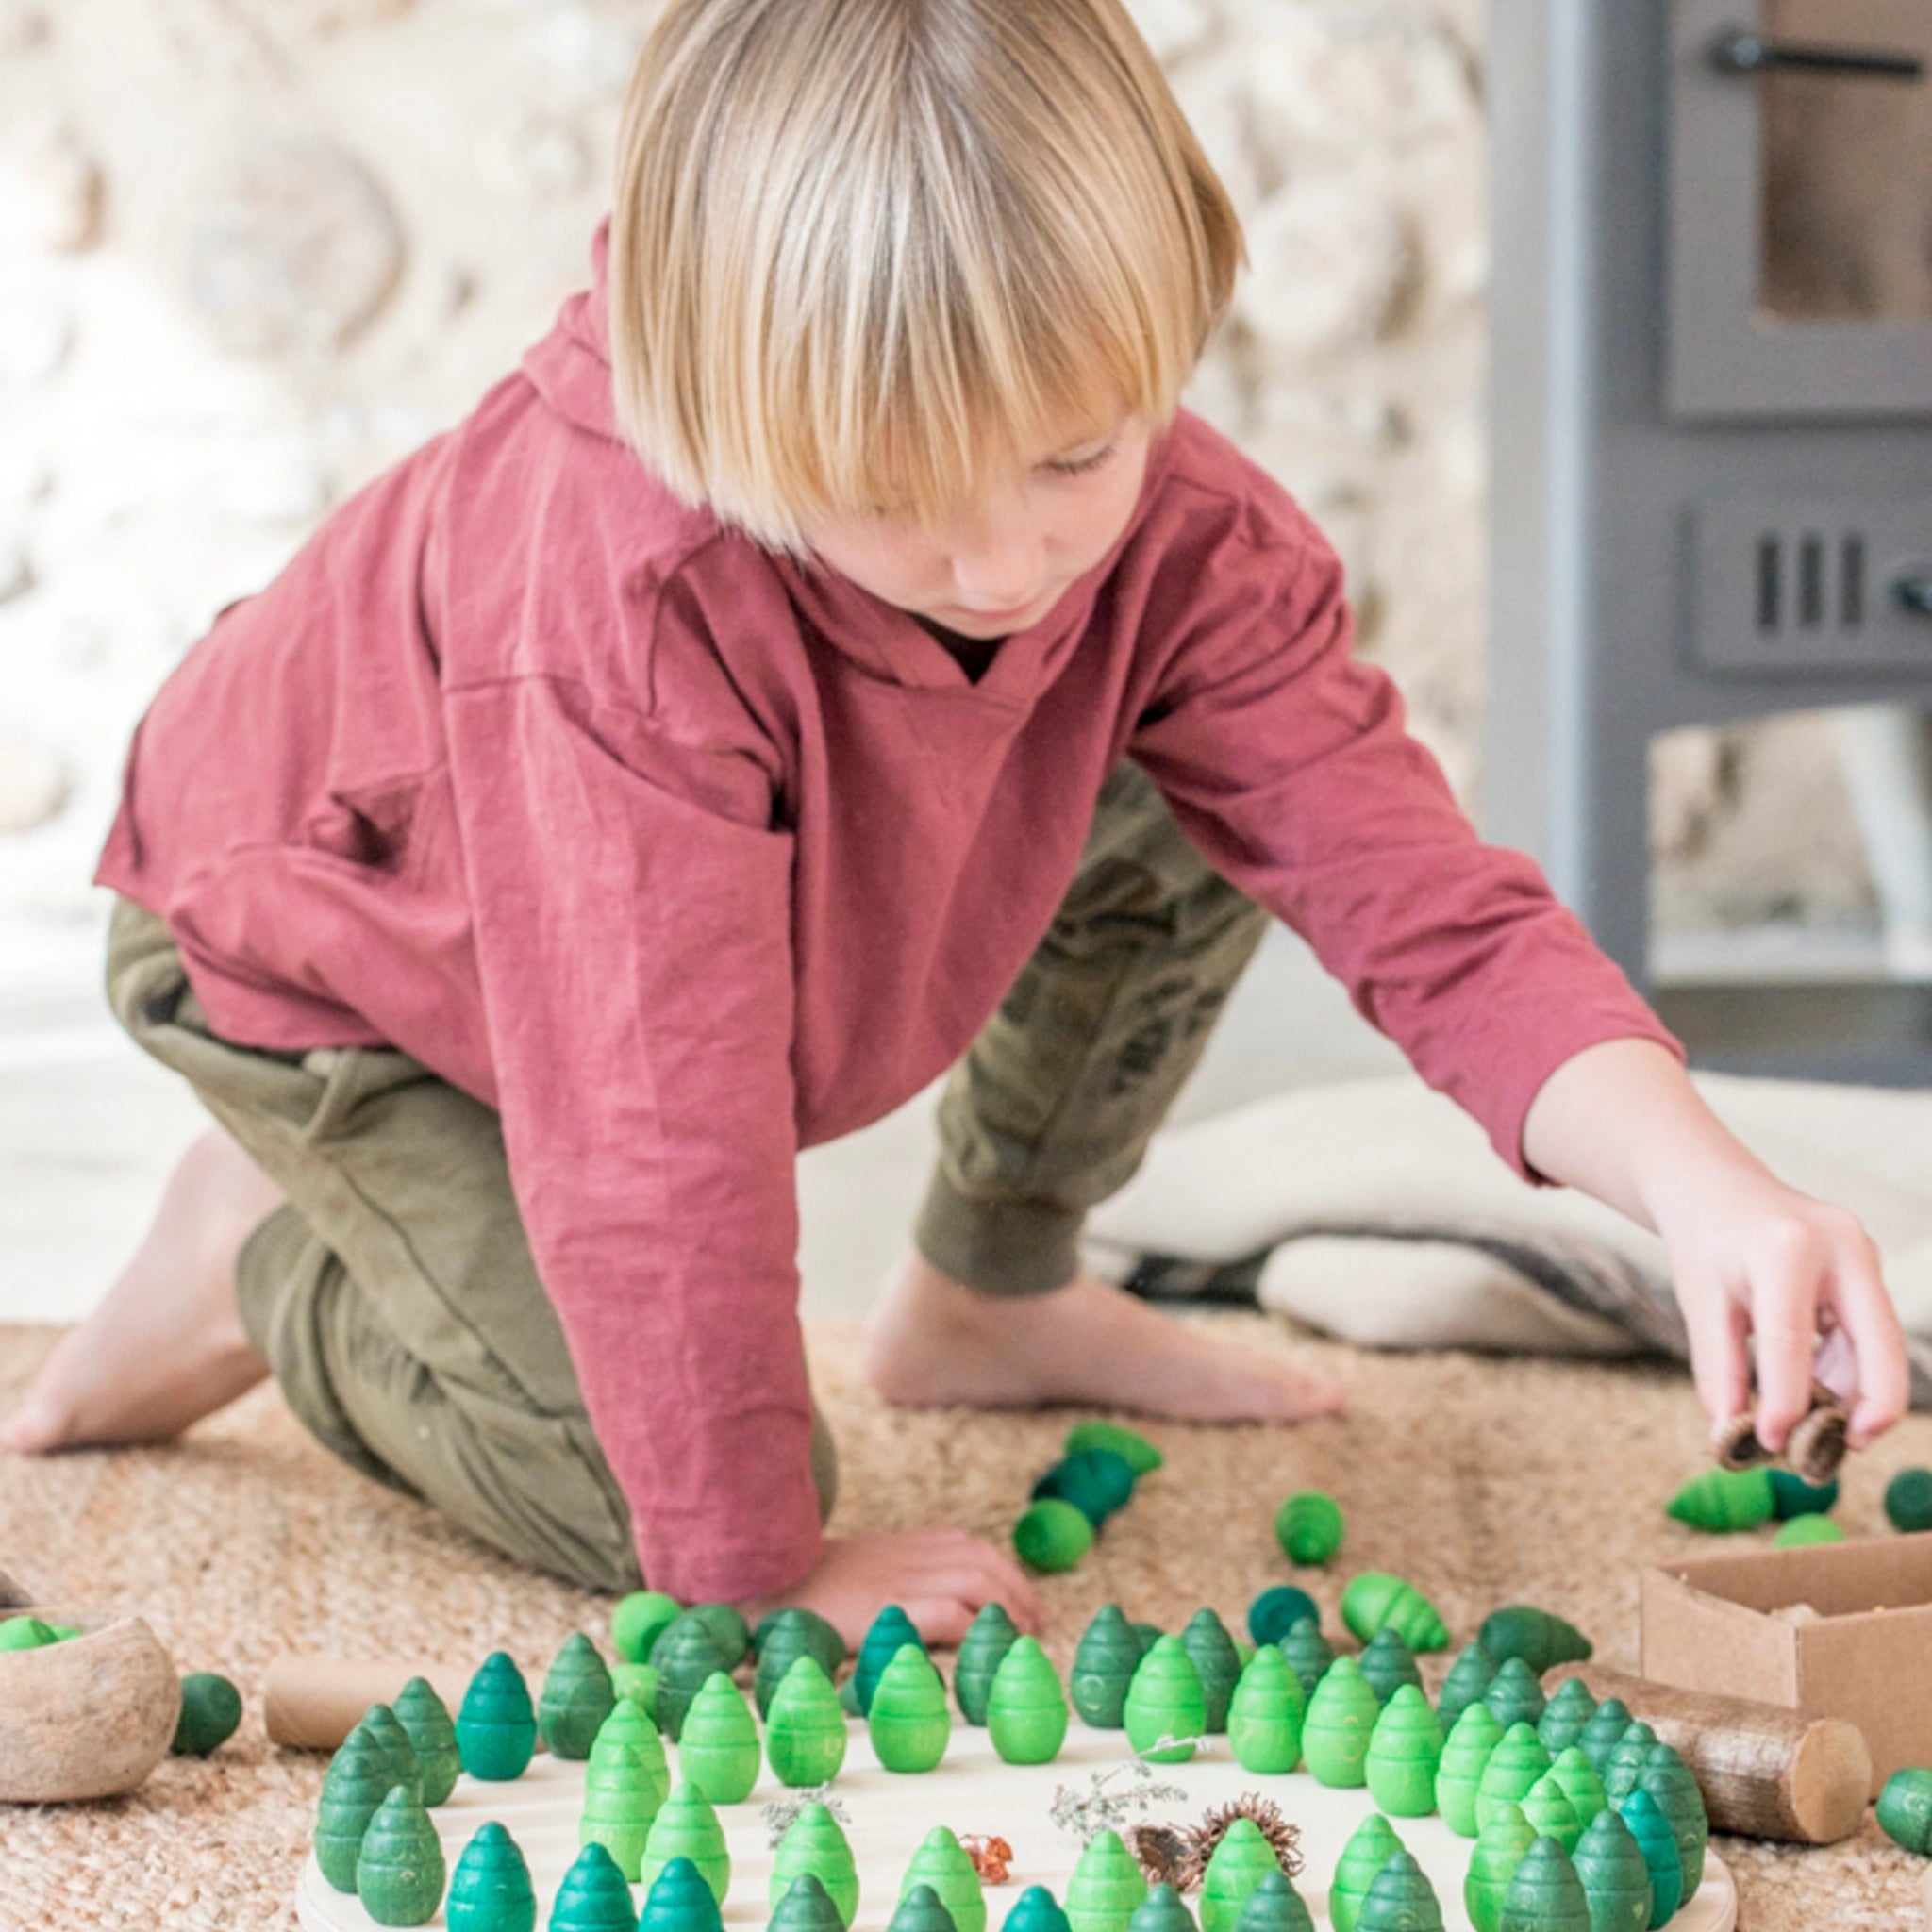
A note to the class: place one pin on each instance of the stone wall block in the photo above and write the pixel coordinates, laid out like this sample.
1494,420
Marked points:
1335,266
294,247
1173,28
35,782
50,184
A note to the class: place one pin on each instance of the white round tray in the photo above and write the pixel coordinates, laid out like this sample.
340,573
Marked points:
970,1792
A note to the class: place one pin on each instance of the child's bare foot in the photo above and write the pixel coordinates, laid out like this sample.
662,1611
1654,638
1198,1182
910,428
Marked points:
933,1342
166,1347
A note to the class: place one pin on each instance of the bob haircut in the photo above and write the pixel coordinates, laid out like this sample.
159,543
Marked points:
867,255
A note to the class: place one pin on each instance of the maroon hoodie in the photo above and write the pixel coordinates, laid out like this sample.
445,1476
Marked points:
685,859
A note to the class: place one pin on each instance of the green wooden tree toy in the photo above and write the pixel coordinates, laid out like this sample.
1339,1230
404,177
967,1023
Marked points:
639,1682
805,1906
1238,1864
987,1638
719,1751
1609,1723
680,1901
381,1723
1625,1765
1264,1716
907,1718
593,1896
1400,1899
1545,1896
399,1867
1161,1910
621,1803
890,1632
1466,1753
490,1890
726,1623
920,1910
1650,1830
1143,1459
1165,1700
1792,1496
1107,1885
631,1733
1905,1808
1370,1847
1275,1906
1801,1532
353,1788
941,1862
814,1844
687,1827
1388,1663
1500,1846
1036,1910
1551,1814
1096,1481
1538,1637
210,1710
1470,1676
684,1654
1616,1880
1377,1601
1514,1766
577,1697
1340,1720
1105,1661
805,1729
1276,1610
426,1720
1721,1499
638,1619
781,1639
496,1724
1308,1653
1580,1783
1404,1748
1052,1535
1027,1714
1668,1779
1514,1695
1211,1649
1571,1707
1308,1527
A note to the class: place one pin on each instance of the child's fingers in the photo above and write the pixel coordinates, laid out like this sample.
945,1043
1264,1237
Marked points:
1866,1316
941,1619
1717,1328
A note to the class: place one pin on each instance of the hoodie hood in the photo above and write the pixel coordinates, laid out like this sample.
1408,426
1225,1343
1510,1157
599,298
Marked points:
571,366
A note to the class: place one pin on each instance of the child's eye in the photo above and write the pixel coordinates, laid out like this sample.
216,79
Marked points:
1082,463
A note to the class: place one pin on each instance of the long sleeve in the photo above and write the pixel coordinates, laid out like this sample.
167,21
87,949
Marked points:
633,938
1286,760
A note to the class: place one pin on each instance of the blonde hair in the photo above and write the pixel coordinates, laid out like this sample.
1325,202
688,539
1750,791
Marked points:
865,252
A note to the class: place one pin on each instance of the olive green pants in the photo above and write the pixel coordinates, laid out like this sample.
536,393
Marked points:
393,1294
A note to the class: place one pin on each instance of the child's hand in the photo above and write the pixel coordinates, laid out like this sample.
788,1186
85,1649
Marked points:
1754,1258
1749,1256
941,1578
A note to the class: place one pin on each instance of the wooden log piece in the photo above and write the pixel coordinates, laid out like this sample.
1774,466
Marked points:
313,1703
1765,1772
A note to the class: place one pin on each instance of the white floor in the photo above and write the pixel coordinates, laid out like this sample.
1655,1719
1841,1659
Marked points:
88,1127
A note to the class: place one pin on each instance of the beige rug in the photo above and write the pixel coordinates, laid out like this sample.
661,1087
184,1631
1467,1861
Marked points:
1485,1481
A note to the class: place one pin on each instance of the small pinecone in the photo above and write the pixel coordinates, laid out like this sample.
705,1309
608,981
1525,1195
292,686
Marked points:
1178,1855
1817,1445
1737,1446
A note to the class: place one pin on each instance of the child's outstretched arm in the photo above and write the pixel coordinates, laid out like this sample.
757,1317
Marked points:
1748,1255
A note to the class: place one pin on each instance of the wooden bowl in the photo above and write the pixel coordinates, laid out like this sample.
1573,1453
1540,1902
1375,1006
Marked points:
85,1718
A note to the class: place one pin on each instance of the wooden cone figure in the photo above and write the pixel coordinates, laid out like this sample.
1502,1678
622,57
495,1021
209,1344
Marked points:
687,1827
1400,1899
1571,1707
1514,1766
496,1726
805,1906
1500,1847
1264,1716
1107,1885
1370,1847
1275,1906
490,1891
941,1862
719,1751
621,1804
1514,1695
920,1910
1336,1732
814,1844
593,1896
1103,1666
1404,1749
577,1696
399,1869
805,1731
908,1716
353,1789
1026,1709
785,1636
988,1639
1545,1896
890,1631
425,1719
680,1901
1651,1832
1211,1651
1239,1862
1616,1880
630,1732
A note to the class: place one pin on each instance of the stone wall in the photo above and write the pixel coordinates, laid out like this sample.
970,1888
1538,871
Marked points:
252,251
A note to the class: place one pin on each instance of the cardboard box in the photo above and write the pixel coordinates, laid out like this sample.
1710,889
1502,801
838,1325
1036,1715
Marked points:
1709,1623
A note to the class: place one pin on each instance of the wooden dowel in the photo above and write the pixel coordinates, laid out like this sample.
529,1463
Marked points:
313,1703
1765,1772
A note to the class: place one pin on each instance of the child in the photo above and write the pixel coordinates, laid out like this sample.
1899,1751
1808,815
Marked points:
832,649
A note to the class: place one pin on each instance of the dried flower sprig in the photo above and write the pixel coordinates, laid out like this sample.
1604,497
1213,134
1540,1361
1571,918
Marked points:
1177,1855
782,1814
1087,1814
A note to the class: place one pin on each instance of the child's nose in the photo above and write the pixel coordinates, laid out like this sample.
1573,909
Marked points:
996,557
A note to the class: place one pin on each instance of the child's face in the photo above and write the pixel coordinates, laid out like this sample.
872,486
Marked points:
1002,565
